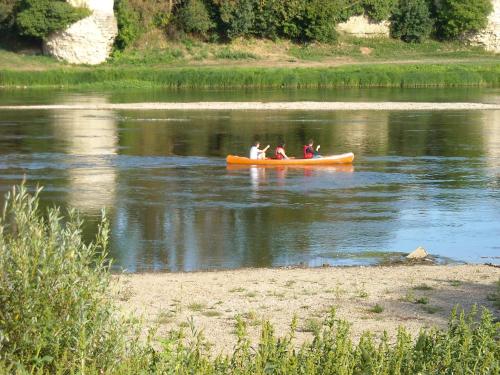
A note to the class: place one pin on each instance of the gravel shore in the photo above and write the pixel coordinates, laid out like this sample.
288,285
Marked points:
413,296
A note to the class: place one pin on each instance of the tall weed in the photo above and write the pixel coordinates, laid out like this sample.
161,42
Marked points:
56,311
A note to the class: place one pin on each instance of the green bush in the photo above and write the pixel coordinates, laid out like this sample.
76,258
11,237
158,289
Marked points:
271,18
7,11
320,19
154,13
39,18
227,53
238,17
55,312
304,20
379,10
129,25
411,21
458,17
194,18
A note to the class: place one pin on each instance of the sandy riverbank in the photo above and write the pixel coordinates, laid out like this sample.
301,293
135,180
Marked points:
413,296
269,106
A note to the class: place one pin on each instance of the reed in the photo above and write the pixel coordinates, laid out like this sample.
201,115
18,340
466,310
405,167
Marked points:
57,317
404,75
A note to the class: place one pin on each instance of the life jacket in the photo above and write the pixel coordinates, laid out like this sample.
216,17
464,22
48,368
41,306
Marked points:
308,152
277,154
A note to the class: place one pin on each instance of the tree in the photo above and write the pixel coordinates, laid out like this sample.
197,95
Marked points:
458,17
129,24
39,18
379,10
320,20
7,11
194,18
238,17
411,21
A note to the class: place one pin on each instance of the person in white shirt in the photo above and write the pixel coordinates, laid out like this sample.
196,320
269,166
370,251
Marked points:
256,153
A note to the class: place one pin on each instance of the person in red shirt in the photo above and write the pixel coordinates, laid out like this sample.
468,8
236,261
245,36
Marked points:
310,152
279,153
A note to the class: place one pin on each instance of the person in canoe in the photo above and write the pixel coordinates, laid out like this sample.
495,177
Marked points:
279,153
310,152
256,153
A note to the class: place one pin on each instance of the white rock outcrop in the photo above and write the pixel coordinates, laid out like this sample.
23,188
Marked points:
363,27
88,41
489,38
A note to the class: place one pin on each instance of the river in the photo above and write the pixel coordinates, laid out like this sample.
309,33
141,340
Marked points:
420,178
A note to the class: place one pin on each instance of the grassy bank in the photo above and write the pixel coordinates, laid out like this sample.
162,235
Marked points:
404,75
57,317
190,63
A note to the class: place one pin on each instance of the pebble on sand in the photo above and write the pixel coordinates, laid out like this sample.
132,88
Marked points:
419,253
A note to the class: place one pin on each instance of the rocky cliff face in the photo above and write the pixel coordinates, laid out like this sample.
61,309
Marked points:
363,27
88,41
490,37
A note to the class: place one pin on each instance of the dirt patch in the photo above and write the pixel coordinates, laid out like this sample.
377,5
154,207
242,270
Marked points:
366,51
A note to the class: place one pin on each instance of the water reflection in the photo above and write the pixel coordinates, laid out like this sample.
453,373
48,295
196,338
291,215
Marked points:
92,137
419,178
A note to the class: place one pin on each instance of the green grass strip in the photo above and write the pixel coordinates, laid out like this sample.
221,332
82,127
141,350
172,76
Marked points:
390,75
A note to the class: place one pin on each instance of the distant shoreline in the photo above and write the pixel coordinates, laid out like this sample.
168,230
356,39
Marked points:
266,106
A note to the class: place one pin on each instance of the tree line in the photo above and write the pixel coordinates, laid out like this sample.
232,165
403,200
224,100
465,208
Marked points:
223,20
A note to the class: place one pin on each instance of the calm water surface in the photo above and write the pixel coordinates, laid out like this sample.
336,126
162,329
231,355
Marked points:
420,178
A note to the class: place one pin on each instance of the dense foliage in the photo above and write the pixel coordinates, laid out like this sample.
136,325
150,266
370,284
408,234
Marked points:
379,10
7,11
411,21
39,18
128,24
55,308
300,20
457,17
194,18
296,20
57,317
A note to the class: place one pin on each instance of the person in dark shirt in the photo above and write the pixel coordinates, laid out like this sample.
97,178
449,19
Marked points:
310,152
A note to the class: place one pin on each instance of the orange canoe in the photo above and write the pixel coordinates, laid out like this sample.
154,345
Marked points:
325,160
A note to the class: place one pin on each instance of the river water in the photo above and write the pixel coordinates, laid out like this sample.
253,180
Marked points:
420,178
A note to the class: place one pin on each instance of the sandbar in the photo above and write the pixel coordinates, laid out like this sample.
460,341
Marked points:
415,297
265,106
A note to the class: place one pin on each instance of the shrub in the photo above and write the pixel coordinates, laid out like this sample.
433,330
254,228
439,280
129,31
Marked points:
194,18
238,17
39,18
129,27
379,10
411,21
136,17
457,17
320,19
55,312
271,18
305,20
7,11
154,13
227,53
